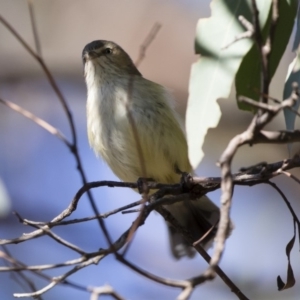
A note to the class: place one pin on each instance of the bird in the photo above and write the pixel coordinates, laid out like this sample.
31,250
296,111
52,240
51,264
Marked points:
110,77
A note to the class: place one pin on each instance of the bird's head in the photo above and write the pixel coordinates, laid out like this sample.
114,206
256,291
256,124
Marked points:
109,58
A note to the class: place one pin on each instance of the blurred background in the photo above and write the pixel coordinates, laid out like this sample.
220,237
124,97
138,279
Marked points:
40,175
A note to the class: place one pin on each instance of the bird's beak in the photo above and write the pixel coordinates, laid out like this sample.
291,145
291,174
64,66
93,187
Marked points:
88,55
85,57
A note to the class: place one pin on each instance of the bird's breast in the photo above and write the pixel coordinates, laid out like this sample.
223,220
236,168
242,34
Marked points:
109,131
112,136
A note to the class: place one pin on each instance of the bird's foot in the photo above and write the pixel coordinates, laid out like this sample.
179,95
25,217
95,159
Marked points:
186,181
142,185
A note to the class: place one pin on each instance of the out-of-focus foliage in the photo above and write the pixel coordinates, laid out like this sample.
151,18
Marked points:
4,200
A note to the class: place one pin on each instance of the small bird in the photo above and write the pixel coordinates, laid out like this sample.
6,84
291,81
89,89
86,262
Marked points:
110,77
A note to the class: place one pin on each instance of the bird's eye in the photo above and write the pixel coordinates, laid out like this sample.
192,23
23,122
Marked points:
107,51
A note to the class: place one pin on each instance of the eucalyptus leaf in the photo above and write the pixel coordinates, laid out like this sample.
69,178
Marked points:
248,78
213,74
293,75
297,34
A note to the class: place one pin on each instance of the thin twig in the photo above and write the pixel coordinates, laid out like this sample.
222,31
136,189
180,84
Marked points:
59,279
279,102
80,220
244,35
290,176
149,39
104,290
20,276
37,120
34,28
35,270
51,234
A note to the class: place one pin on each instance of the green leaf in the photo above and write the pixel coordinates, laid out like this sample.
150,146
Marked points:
213,74
293,75
248,77
297,34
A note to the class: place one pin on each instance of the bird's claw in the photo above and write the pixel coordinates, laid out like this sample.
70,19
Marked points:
142,185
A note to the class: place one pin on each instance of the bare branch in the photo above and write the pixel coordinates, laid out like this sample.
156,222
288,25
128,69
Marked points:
59,279
19,277
164,281
149,39
277,137
34,28
244,35
274,109
37,120
80,220
51,234
104,290
264,115
290,176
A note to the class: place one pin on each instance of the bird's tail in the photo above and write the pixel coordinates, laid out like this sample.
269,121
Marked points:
200,217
